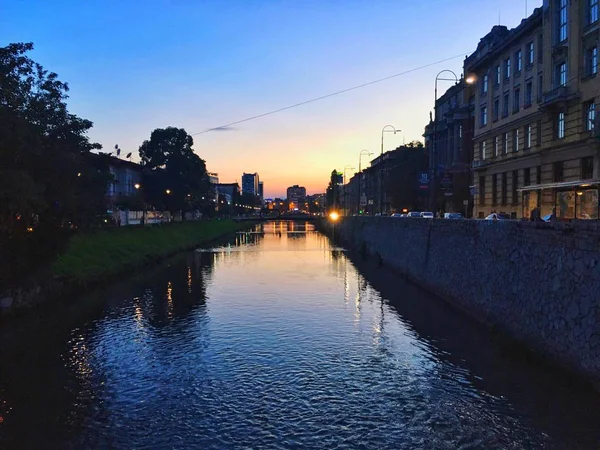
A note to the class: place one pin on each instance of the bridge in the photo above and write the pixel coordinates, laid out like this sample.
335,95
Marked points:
274,216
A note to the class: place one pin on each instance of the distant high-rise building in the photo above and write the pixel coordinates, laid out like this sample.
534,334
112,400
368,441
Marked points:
213,177
261,190
250,183
296,197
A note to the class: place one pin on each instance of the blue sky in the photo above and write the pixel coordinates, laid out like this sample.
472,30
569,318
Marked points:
134,66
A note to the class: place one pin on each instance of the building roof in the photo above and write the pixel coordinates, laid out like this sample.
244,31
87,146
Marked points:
499,38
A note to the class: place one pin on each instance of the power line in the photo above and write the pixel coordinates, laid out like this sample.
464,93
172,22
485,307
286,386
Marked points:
295,105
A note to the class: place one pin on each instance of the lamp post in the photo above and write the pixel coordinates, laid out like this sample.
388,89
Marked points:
385,129
345,189
362,152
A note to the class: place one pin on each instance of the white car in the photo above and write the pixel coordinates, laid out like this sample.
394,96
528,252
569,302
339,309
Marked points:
453,216
498,216
413,214
427,215
396,215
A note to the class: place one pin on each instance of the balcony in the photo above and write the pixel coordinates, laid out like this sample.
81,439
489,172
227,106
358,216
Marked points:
558,96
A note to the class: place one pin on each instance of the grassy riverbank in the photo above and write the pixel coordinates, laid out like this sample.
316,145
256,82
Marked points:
96,256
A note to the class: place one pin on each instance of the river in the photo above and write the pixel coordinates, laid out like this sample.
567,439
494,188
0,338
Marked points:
277,339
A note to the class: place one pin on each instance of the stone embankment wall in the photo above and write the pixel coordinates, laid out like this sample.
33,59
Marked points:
538,282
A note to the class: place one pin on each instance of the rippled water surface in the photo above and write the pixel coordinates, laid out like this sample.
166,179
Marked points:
276,339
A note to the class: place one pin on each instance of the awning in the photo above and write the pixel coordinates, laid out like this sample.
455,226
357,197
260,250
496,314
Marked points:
564,184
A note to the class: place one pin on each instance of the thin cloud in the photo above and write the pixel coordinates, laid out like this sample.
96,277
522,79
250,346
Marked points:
224,128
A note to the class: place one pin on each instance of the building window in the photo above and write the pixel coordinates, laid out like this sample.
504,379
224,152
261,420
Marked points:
560,125
538,175
528,94
591,61
506,69
530,53
484,84
540,91
587,168
460,131
505,143
496,110
504,189
483,116
558,171
561,74
526,177
505,105
496,145
482,150
590,115
515,186
562,20
497,77
593,10
528,136
516,100
482,190
518,61
495,189
516,140
538,127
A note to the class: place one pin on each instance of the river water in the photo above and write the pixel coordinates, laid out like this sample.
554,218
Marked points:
276,339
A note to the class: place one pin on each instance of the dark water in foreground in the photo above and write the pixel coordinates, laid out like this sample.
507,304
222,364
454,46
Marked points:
277,340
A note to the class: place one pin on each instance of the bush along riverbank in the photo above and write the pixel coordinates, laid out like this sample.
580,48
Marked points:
98,257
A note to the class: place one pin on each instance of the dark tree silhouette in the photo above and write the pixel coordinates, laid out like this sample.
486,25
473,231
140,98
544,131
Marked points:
48,181
175,177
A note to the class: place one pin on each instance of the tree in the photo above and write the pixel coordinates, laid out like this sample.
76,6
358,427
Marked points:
48,181
175,177
402,185
333,190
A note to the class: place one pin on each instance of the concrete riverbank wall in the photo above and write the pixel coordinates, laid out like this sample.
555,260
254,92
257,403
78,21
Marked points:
537,282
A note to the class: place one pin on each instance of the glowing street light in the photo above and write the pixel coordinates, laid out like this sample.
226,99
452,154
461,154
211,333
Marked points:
137,185
168,192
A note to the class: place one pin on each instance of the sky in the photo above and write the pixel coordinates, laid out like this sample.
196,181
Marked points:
133,66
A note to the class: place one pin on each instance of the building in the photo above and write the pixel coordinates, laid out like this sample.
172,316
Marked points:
261,190
296,197
228,191
126,179
536,121
213,178
451,156
250,183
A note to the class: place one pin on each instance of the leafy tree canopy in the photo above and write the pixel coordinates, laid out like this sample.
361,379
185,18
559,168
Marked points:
176,177
48,181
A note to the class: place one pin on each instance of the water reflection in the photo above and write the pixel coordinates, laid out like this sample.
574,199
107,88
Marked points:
276,339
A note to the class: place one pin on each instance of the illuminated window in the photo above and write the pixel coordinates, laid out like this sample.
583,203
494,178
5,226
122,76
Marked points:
560,124
593,10
530,53
562,20
518,61
590,115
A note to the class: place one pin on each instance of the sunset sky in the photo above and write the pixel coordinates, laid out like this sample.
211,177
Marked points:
133,66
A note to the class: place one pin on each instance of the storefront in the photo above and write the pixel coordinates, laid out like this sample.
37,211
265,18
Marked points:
571,199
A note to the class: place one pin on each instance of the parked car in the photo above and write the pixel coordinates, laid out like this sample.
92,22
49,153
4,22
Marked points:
414,214
427,215
498,216
453,216
396,215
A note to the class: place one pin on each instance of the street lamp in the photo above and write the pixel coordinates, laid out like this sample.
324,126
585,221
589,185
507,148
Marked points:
385,129
362,152
168,191
345,188
137,186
